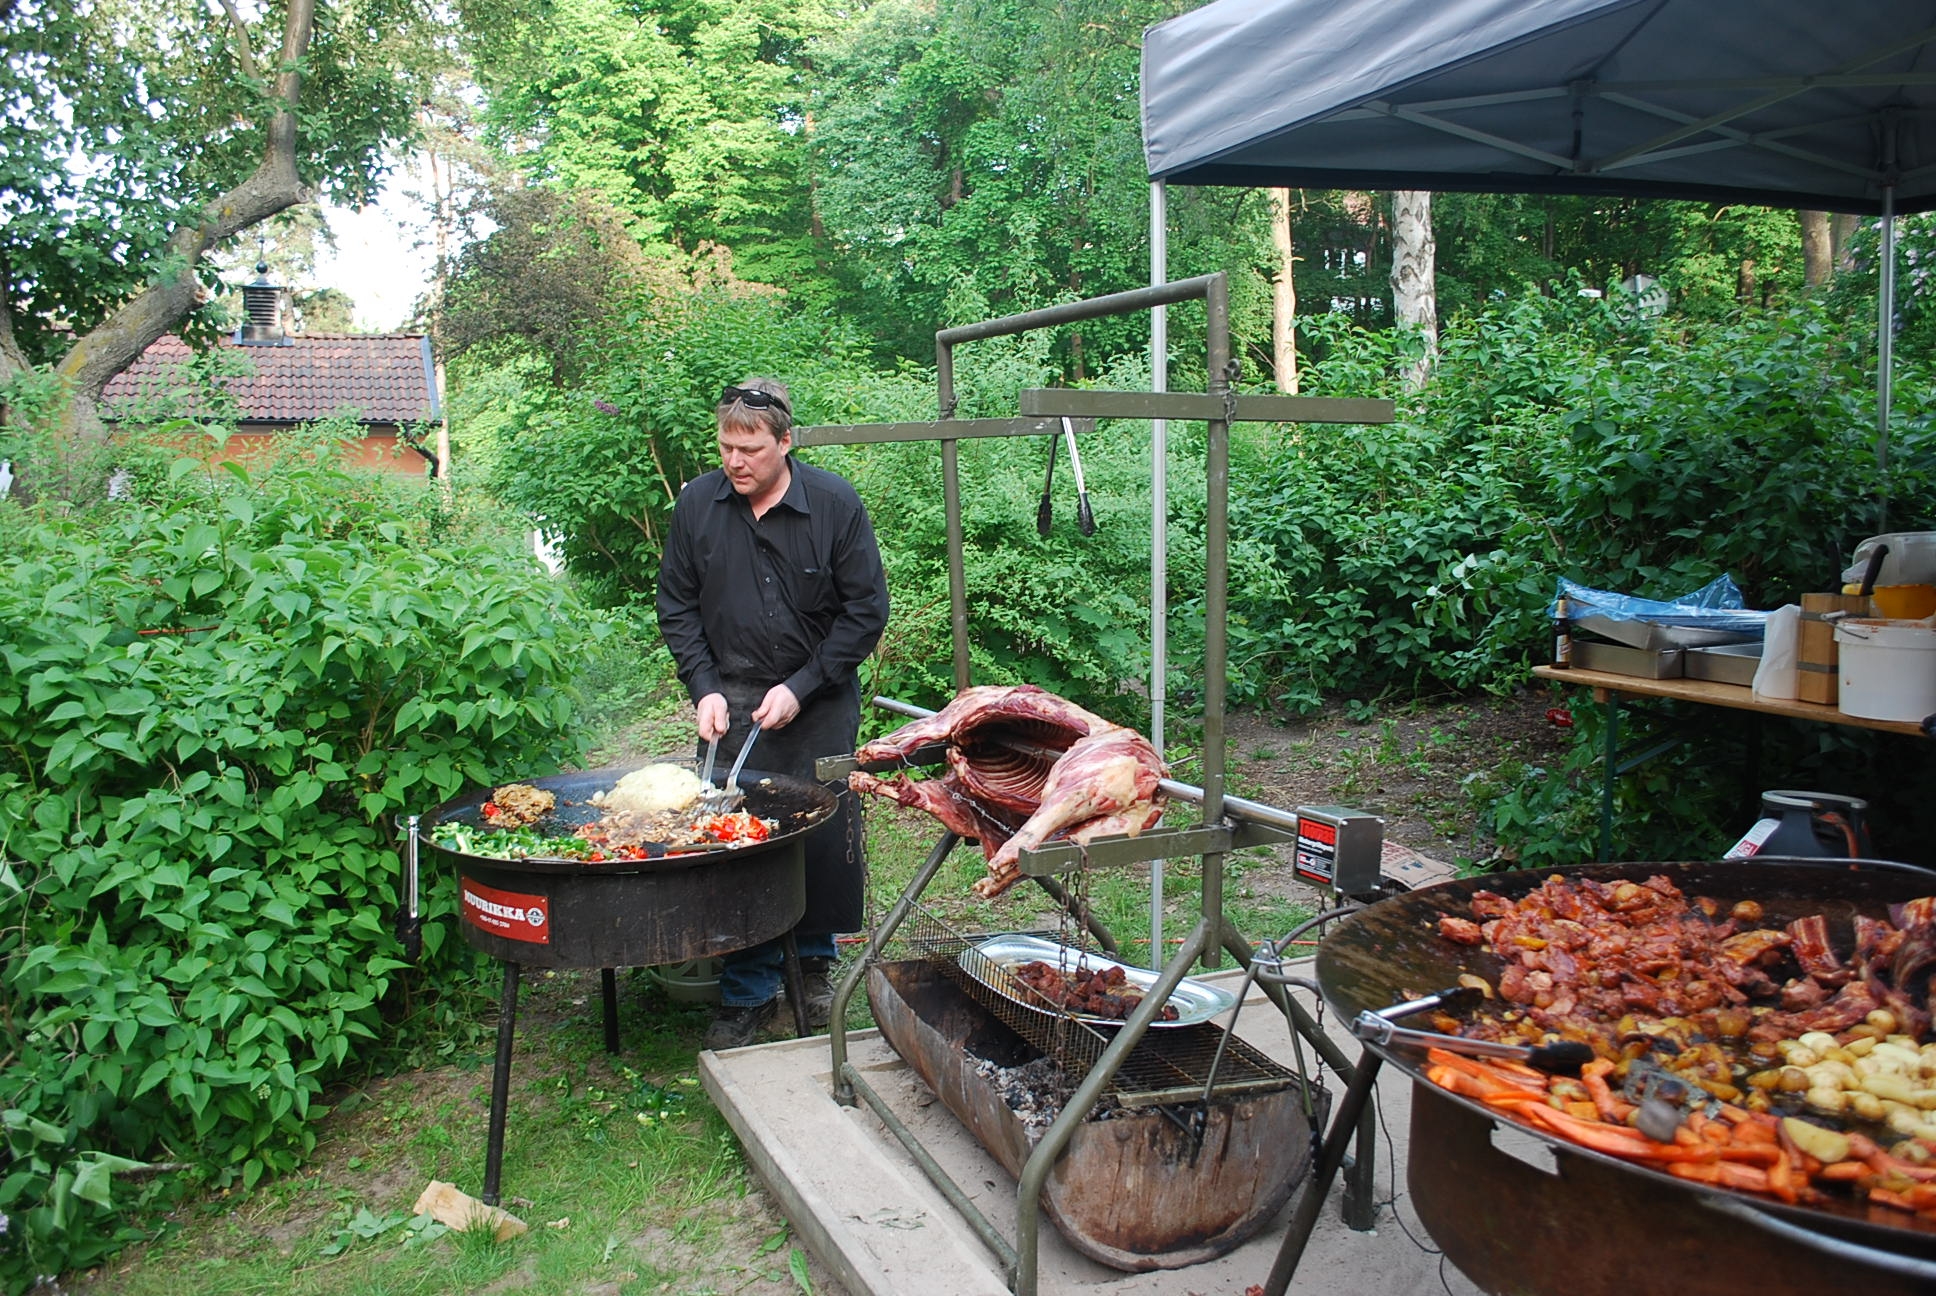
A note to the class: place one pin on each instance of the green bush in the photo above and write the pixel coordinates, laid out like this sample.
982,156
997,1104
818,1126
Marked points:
1556,437
215,700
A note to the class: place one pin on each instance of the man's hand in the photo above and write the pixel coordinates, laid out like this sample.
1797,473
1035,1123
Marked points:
713,716
778,708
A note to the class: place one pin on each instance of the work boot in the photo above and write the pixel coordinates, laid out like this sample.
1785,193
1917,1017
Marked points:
816,984
734,1025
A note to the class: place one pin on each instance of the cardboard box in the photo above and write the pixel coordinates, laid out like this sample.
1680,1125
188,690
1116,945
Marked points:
1816,659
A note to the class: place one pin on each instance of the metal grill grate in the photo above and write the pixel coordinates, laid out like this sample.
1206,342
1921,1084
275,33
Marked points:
1171,1064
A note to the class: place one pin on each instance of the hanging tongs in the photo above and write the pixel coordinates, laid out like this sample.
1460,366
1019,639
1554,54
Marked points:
1085,520
1045,511
409,921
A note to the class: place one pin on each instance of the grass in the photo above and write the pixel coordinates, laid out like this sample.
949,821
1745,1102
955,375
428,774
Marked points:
626,1174
629,1178
631,1181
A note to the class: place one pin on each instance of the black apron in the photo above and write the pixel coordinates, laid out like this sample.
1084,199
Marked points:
836,853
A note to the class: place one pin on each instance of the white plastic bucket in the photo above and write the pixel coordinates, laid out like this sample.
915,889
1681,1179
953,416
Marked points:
1888,669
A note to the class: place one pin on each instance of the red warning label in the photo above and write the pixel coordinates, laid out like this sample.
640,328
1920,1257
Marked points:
1317,850
510,914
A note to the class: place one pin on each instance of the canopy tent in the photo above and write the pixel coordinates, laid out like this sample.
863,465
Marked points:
1788,103
1784,103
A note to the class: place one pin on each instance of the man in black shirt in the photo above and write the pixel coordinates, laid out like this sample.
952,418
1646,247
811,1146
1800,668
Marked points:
771,594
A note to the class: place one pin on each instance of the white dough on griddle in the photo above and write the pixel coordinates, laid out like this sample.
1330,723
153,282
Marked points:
654,789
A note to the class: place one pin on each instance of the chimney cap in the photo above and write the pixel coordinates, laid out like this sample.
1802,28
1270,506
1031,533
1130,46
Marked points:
262,311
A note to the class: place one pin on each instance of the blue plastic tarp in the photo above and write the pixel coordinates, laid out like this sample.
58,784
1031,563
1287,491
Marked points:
1717,605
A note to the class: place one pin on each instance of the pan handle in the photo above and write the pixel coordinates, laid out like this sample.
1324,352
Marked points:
409,920
1840,1248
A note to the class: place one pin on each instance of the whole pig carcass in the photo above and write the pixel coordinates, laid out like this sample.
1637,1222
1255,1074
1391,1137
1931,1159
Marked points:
1024,766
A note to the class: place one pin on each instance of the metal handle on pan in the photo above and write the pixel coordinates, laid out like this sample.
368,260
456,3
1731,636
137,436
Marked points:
409,922
1841,1248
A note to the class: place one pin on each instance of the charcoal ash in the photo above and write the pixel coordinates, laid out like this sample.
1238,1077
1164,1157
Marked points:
1036,1091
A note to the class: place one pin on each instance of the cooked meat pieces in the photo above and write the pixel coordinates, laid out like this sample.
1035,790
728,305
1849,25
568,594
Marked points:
520,803
1093,992
1581,954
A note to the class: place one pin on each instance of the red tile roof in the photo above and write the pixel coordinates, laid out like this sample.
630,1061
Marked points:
380,378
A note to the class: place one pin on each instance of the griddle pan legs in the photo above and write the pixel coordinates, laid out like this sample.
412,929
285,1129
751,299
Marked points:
507,1023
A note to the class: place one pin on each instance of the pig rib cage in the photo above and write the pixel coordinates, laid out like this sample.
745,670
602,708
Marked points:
1226,824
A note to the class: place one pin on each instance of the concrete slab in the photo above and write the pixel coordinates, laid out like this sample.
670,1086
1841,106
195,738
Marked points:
861,1203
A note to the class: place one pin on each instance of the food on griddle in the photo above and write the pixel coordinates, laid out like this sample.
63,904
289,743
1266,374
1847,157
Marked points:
1094,992
1023,766
619,829
652,790
1741,1043
620,833
519,803
1721,1144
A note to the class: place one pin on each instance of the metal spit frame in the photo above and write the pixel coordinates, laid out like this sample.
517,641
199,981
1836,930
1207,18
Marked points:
1217,834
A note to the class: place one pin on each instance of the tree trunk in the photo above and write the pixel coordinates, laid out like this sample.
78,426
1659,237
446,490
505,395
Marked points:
1818,251
1283,294
1414,276
1841,228
119,340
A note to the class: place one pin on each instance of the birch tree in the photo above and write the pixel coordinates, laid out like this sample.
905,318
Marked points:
1284,293
1413,276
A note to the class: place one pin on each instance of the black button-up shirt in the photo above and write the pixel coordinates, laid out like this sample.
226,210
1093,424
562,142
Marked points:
797,597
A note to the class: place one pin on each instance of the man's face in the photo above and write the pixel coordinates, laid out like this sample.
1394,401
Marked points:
754,459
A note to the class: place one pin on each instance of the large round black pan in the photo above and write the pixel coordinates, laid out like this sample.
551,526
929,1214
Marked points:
1392,952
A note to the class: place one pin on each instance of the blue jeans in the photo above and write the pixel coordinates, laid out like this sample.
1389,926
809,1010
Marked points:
749,977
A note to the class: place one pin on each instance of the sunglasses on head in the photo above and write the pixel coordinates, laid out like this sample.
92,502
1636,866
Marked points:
752,399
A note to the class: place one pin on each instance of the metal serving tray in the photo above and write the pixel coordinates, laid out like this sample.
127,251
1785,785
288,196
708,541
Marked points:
990,961
1723,663
1618,659
1652,636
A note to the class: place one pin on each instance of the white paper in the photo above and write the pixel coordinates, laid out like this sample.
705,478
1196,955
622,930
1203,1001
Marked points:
1776,675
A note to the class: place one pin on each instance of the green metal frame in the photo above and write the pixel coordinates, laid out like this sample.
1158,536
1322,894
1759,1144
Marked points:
1214,838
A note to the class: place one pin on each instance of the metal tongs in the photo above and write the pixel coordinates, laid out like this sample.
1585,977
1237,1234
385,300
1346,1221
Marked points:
1045,510
725,800
1377,1027
1085,519
712,754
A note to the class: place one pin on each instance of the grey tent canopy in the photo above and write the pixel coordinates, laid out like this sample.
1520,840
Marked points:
1822,104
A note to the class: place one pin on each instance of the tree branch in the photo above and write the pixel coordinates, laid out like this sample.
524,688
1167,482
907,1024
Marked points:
12,359
274,186
244,54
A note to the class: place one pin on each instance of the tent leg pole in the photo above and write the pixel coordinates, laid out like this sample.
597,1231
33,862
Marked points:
1159,522
1885,354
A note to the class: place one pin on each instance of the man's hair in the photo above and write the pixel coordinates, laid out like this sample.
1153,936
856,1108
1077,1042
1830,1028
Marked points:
735,416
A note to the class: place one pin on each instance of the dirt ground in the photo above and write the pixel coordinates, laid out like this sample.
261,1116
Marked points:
1412,767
